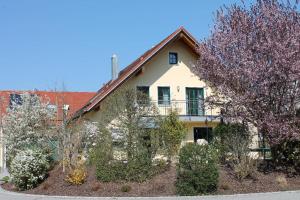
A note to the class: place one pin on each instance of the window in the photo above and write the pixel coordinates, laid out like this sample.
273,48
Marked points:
203,133
173,58
194,101
19,99
163,95
52,107
15,99
142,94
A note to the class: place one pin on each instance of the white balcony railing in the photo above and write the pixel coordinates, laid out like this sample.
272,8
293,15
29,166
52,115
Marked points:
183,107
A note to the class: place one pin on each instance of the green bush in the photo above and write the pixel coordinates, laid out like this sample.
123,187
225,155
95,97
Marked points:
29,168
5,179
173,132
110,167
112,171
137,170
287,156
197,171
233,141
245,168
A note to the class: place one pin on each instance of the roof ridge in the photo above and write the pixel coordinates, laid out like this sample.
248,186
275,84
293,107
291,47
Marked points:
46,91
130,69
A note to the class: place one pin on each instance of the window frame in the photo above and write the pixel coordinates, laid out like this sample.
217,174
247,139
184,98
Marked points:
15,99
162,102
195,106
171,60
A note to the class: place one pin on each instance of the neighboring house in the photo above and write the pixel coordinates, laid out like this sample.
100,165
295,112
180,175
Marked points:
72,101
164,73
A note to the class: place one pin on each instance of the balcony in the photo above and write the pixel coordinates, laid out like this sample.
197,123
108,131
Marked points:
188,110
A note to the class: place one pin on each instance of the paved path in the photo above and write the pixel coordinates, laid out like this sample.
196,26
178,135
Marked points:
292,195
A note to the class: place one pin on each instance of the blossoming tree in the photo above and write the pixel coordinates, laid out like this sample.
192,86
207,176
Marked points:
27,124
252,59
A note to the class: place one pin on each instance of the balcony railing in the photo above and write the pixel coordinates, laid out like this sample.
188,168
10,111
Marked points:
183,107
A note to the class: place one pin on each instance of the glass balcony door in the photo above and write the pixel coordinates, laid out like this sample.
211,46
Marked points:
194,101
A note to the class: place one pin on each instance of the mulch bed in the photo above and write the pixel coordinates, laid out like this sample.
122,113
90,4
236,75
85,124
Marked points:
260,182
160,185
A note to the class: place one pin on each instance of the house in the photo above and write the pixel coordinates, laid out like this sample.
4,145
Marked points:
72,101
164,73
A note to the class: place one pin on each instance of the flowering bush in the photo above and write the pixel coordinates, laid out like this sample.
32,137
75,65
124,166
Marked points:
77,176
197,171
90,132
78,173
28,168
27,125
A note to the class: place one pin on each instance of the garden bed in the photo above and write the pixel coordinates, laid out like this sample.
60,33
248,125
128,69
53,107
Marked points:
160,185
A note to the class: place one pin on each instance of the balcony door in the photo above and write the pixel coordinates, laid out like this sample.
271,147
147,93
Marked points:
194,101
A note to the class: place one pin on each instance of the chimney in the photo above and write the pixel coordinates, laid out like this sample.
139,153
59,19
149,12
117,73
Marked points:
114,67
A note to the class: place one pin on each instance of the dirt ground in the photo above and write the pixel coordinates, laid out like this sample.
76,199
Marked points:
160,185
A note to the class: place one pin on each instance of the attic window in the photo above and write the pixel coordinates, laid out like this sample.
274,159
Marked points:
173,58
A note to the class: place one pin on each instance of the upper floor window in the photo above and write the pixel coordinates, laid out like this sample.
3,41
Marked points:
52,107
15,99
20,99
173,58
142,94
163,95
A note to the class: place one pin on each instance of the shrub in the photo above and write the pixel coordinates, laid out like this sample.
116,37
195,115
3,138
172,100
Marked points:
173,131
126,188
287,156
27,125
233,141
78,173
76,176
245,168
28,169
137,170
197,171
112,171
282,182
5,179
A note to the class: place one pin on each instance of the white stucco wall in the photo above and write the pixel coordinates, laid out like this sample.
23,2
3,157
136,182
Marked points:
159,73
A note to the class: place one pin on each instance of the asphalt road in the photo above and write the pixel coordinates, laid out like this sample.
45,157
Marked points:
292,195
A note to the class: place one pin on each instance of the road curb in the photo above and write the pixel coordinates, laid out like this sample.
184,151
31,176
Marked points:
231,196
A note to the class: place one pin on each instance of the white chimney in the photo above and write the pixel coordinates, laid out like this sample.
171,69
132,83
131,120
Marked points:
114,67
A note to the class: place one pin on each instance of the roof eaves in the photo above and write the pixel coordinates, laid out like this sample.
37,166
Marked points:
112,85
131,71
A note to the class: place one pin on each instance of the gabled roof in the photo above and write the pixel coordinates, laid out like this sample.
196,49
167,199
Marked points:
75,100
125,74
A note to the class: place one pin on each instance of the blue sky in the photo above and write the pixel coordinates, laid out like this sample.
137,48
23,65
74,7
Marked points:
44,43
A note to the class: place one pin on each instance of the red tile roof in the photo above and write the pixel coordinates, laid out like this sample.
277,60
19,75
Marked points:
75,100
126,73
